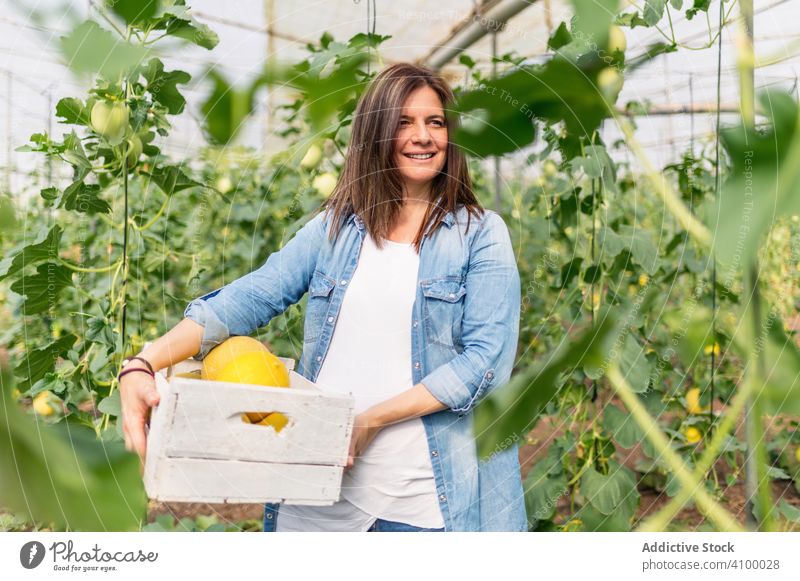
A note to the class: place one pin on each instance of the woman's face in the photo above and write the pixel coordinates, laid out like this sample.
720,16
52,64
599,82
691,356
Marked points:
421,139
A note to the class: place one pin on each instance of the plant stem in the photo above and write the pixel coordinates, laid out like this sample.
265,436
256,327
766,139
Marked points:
723,520
77,268
155,218
757,482
671,28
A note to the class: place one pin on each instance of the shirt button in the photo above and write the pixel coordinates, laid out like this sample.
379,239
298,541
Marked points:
416,365
269,516
415,323
319,358
330,319
344,282
442,497
490,375
452,295
434,453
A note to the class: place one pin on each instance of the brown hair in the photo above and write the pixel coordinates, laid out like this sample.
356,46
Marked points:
370,184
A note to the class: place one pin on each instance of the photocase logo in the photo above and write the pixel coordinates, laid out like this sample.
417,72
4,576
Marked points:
31,554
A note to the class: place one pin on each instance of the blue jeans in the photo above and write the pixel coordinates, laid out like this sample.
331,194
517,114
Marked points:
388,526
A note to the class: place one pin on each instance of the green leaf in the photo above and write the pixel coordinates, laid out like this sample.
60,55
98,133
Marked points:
63,474
324,94
134,11
634,365
653,11
42,289
611,243
226,108
466,60
44,248
777,472
699,6
782,354
543,489
111,405
608,172
163,85
593,19
570,270
590,165
631,19
562,90
171,179
641,246
42,144
561,37
84,198
100,330
91,49
515,407
789,512
595,521
80,164
72,111
622,427
38,362
8,219
50,382
189,29
610,493
763,184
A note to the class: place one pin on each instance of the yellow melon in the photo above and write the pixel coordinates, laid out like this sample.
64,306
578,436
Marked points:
245,360
227,351
259,368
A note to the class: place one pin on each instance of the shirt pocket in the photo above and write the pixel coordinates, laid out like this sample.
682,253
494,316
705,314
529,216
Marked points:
320,292
443,310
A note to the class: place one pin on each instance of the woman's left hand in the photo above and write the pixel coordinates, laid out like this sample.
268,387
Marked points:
364,431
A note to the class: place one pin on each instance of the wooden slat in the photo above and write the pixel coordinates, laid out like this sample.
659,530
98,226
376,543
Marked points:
188,480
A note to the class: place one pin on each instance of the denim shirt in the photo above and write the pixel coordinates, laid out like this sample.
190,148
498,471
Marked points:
465,327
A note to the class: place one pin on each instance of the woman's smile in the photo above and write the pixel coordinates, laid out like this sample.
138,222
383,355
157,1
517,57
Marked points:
420,156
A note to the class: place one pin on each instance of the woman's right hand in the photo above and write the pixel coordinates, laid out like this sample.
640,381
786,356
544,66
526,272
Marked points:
138,394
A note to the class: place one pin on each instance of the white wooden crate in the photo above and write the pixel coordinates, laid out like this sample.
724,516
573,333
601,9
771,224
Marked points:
200,450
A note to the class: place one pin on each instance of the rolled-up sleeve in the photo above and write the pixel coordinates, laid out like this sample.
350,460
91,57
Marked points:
250,302
490,324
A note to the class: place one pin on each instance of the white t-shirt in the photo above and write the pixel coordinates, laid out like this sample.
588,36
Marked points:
370,357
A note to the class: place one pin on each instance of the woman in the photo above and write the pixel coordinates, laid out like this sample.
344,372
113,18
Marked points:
413,308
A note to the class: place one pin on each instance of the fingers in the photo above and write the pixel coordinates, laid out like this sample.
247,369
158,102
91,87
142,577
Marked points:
138,395
152,397
135,437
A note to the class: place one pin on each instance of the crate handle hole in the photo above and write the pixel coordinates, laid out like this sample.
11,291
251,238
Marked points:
275,420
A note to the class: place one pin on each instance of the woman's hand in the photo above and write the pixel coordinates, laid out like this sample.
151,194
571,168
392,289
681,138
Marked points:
364,431
137,395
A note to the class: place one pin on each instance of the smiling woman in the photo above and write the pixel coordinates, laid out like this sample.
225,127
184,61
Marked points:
413,309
